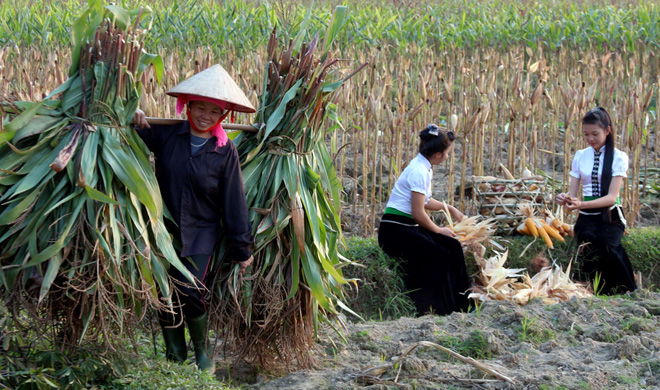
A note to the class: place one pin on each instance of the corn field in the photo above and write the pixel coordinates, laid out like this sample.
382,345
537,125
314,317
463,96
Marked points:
511,79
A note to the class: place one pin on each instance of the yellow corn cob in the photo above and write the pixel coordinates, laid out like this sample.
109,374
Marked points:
522,229
556,223
544,234
531,227
553,232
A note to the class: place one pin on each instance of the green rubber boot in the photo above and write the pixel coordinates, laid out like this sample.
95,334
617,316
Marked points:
175,344
199,336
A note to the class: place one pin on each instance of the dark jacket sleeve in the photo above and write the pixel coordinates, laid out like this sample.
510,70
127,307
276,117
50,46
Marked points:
237,228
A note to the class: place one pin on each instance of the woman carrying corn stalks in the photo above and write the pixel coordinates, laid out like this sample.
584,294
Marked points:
200,180
600,169
433,263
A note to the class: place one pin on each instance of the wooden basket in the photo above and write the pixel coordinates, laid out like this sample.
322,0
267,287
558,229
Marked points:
499,198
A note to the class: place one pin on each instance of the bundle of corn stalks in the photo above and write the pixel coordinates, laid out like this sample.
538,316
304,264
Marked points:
543,227
293,194
81,217
551,284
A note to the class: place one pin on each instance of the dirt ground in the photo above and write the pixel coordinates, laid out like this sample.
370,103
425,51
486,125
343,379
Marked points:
593,343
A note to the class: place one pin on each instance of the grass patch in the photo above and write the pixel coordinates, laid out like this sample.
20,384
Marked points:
533,332
643,248
380,294
161,374
475,345
29,362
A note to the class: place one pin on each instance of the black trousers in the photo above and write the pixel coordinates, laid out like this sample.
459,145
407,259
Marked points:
603,253
433,265
188,300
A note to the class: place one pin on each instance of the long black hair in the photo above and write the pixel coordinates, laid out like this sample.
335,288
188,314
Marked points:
601,118
433,139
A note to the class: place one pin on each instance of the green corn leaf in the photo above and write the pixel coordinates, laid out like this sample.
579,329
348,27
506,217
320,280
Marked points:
64,238
151,59
36,125
339,18
295,271
99,196
49,277
121,17
89,157
313,277
125,170
11,213
23,118
276,117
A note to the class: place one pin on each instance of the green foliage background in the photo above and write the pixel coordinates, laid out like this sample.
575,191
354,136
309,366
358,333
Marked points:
241,25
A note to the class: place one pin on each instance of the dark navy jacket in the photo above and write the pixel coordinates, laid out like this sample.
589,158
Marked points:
203,192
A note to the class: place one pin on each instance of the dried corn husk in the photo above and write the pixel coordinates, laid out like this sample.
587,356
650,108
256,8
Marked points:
551,284
472,230
496,281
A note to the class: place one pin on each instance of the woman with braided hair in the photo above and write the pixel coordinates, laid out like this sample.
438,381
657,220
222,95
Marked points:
600,169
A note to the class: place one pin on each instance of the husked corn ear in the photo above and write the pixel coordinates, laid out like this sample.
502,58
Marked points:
544,234
552,232
531,227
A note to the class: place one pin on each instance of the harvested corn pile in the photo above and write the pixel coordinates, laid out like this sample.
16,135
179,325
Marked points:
551,284
496,281
547,226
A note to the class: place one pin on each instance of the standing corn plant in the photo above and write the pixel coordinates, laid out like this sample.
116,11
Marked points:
81,218
294,197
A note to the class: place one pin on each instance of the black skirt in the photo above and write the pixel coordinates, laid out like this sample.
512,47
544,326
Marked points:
433,265
602,253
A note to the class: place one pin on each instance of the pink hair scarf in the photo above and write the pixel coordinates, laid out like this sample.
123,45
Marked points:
216,130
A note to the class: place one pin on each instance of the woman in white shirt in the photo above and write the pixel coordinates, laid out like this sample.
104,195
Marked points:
600,169
433,262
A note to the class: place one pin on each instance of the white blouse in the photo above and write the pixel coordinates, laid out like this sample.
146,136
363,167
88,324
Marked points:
583,164
417,177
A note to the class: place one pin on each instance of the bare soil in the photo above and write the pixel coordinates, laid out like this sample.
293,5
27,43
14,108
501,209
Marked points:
594,343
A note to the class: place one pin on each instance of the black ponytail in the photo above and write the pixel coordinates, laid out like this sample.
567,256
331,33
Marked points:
434,139
598,116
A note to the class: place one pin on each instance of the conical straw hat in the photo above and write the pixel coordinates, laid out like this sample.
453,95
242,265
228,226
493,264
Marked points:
215,83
